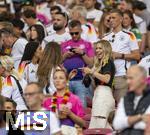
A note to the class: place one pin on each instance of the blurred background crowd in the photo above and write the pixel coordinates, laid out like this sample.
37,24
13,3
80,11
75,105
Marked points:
84,63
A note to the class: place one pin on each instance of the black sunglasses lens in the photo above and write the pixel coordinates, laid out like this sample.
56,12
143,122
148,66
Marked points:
74,33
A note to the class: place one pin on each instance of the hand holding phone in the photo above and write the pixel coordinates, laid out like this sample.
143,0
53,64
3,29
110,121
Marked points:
72,50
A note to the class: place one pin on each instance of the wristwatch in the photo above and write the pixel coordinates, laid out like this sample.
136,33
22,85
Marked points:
123,56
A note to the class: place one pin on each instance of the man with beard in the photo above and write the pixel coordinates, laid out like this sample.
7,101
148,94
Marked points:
60,35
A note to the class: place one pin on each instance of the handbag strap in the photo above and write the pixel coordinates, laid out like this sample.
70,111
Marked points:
28,73
47,88
20,89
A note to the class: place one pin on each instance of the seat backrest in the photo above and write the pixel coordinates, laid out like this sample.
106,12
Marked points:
97,131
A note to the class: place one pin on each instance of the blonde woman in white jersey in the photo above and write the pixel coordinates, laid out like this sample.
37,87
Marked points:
13,86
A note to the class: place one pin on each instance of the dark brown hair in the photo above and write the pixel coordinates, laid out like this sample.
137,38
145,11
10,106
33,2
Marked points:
40,32
130,14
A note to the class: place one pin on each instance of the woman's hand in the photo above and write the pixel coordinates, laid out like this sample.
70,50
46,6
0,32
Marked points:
87,70
66,111
68,55
72,74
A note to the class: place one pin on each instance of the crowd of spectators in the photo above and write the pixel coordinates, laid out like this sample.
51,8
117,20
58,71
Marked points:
85,64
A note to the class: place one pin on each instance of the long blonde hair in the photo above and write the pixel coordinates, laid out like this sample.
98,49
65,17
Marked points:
107,50
8,63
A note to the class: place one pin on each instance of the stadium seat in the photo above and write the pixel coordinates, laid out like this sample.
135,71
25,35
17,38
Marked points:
97,131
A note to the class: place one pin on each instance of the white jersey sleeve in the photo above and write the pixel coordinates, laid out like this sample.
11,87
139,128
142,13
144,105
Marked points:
54,124
133,44
10,89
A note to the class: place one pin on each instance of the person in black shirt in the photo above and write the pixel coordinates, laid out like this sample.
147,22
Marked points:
102,73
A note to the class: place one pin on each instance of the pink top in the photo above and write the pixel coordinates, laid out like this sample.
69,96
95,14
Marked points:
74,101
76,61
82,44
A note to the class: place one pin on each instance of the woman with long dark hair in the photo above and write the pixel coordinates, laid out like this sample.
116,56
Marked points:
29,62
37,33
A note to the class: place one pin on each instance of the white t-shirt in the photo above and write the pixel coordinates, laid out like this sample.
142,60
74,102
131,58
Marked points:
54,123
89,33
56,37
124,42
121,119
10,89
51,88
145,62
18,50
141,24
50,29
94,14
30,73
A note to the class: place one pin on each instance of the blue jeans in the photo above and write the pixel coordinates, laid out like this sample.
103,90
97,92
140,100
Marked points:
80,90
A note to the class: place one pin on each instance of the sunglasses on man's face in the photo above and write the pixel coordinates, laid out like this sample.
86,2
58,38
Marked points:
74,33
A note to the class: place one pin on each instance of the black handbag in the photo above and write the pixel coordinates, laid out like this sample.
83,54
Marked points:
87,80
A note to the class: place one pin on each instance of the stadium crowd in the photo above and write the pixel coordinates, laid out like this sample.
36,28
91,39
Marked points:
83,64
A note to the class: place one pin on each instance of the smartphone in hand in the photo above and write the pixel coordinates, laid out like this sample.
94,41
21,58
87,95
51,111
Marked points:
72,50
